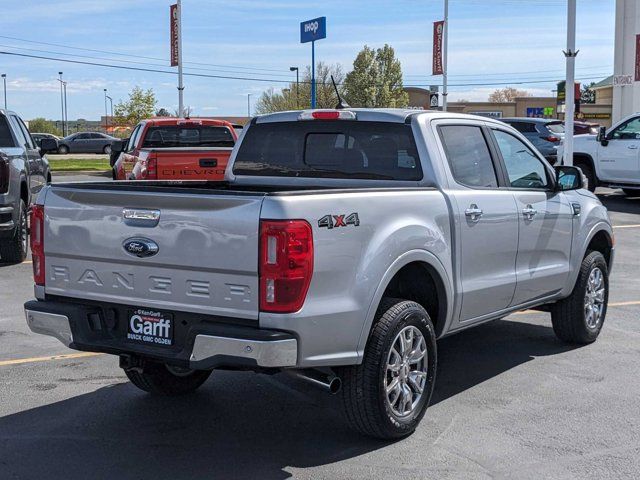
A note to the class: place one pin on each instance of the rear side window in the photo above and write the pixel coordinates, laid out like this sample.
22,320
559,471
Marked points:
330,149
468,155
523,127
6,140
178,136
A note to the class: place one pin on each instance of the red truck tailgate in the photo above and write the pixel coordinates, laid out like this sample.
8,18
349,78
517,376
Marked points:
182,164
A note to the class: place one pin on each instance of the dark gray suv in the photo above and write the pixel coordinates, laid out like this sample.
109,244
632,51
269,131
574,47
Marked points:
545,134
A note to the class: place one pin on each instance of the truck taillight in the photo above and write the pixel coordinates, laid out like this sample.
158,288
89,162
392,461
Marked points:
286,264
4,175
150,168
37,243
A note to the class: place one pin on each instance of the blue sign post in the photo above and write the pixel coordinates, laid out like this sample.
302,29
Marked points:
310,31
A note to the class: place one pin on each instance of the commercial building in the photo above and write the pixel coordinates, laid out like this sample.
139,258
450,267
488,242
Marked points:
545,107
626,58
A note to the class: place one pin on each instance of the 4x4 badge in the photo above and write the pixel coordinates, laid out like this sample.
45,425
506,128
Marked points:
333,221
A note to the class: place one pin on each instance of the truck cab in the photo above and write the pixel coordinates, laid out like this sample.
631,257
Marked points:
612,157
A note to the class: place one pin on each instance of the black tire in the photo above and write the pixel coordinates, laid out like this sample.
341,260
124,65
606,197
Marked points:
158,379
63,149
14,249
569,318
364,396
591,177
630,192
106,150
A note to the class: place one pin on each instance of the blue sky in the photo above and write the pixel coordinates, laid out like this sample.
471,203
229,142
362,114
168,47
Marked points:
490,41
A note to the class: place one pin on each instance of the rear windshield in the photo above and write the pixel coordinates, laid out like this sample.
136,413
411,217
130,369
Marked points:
6,140
329,149
556,127
180,136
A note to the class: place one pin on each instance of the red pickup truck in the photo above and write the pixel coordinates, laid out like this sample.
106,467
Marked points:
175,149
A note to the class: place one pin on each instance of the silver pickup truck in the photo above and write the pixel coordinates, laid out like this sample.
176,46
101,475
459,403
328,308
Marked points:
343,244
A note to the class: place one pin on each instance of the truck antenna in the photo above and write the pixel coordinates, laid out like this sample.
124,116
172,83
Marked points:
341,103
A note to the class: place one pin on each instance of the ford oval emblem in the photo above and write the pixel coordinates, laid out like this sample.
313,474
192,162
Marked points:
140,247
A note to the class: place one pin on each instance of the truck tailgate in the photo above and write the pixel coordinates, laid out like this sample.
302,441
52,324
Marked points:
207,248
190,164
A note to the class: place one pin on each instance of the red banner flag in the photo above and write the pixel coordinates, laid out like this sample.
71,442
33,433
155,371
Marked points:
173,18
438,30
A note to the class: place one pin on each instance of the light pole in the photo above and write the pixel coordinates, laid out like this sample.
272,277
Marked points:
297,70
569,85
66,112
106,112
62,105
445,47
180,84
249,105
4,81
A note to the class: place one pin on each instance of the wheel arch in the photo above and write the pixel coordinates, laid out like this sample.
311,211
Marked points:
432,290
585,159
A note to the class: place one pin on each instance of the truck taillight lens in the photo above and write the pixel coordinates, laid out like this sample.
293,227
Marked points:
37,243
286,264
149,170
4,175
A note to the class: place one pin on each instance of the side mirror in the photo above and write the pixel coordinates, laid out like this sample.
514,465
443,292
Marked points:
569,178
602,136
117,146
48,145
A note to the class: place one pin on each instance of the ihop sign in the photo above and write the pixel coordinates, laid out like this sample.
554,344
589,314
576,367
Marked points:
313,30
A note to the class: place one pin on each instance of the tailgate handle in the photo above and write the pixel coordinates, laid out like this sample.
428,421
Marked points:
208,162
141,217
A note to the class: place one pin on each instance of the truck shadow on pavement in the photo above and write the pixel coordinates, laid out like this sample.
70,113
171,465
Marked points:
616,202
240,425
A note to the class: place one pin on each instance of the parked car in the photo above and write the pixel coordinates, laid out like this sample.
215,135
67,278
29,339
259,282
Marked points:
545,134
86,142
611,158
585,128
37,137
342,246
24,170
174,149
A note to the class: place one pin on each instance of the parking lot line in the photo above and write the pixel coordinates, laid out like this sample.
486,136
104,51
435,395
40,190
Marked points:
19,361
626,226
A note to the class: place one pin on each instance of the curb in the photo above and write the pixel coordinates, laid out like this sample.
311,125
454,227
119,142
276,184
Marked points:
95,173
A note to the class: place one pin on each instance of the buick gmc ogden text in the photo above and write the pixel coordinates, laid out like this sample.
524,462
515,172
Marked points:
341,246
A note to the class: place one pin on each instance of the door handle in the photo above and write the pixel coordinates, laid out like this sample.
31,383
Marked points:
632,147
529,212
473,212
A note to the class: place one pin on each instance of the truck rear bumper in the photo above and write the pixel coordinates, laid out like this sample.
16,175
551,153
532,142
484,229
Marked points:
203,345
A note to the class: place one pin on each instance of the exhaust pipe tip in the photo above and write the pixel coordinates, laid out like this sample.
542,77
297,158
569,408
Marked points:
335,385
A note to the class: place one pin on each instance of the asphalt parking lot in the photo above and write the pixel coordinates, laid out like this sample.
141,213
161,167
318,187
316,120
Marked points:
510,401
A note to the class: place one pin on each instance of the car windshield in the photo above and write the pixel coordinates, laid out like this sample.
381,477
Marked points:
330,149
555,127
181,136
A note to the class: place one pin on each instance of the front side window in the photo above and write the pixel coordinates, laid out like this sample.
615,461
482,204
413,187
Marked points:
627,131
22,141
330,149
525,170
468,155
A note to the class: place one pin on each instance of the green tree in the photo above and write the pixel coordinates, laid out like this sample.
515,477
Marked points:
141,105
163,112
42,125
289,99
376,80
